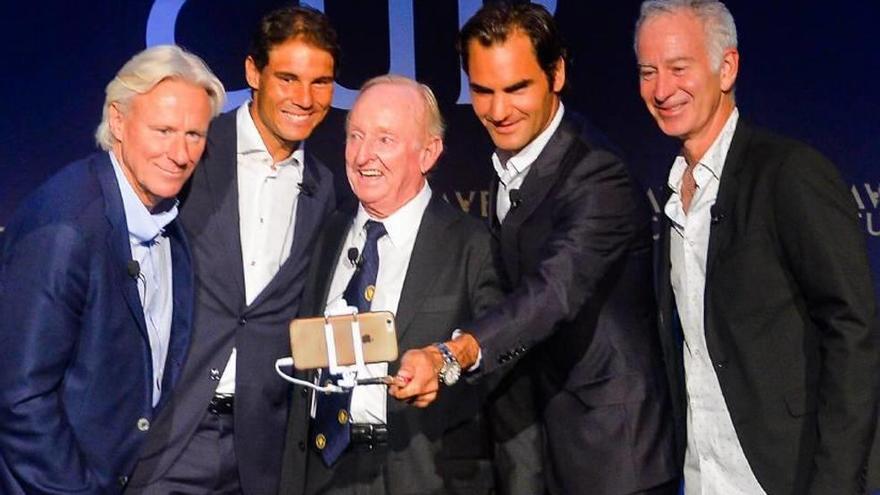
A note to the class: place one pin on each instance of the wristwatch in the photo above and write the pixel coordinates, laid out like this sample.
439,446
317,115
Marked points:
451,369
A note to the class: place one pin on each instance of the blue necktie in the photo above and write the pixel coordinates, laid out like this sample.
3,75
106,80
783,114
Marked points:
331,426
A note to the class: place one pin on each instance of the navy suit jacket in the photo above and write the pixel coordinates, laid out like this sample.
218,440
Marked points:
576,248
75,363
258,331
790,318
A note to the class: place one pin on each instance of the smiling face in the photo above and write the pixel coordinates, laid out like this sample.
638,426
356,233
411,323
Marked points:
159,138
388,149
689,99
292,94
510,93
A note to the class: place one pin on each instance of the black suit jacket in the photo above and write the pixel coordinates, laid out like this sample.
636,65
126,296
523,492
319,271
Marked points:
577,253
790,317
447,448
222,320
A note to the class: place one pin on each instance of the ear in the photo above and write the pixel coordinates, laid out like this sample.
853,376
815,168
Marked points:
559,76
251,73
729,69
430,153
116,121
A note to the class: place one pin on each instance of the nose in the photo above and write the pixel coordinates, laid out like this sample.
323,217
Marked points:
663,86
498,108
302,95
178,151
357,151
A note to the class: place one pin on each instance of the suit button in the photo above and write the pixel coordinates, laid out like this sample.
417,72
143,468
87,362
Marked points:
301,445
123,480
143,424
242,321
304,392
721,365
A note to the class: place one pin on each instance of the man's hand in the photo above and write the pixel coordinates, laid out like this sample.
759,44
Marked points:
417,380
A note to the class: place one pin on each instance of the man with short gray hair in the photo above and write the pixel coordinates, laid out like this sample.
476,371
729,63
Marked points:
96,287
766,306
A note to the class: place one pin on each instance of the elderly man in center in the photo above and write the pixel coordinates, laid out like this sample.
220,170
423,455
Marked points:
431,265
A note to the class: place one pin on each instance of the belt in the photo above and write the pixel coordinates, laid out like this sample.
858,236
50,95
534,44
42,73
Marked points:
369,435
221,404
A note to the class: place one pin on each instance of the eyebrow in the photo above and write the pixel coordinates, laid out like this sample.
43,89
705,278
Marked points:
678,59
291,75
666,62
507,89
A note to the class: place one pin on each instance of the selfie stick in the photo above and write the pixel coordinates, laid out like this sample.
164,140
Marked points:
349,374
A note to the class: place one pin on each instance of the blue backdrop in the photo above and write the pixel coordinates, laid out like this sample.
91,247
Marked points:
807,70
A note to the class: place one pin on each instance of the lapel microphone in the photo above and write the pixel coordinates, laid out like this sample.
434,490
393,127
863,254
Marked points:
133,268
717,215
354,258
306,189
515,198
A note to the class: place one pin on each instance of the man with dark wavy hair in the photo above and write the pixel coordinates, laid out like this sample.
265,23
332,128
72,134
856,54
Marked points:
251,215
573,233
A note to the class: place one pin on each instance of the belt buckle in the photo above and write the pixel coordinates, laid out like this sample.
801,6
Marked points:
369,435
221,404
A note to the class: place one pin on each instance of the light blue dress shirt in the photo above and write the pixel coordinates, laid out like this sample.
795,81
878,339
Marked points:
152,250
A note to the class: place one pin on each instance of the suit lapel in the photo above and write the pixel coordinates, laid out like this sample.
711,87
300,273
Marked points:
220,168
117,240
723,227
541,177
322,275
424,263
494,225
663,277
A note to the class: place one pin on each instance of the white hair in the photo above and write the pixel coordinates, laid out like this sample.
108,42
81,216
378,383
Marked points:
433,118
147,69
717,23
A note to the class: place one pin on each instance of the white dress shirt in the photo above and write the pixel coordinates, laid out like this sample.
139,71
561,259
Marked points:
152,251
369,403
267,196
714,459
512,171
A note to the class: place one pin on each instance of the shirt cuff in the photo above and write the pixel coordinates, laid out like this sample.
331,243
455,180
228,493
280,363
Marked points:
476,366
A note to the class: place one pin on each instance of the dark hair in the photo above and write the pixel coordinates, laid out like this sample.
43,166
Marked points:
287,23
494,22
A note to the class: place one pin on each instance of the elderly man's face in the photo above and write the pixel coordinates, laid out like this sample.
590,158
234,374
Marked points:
292,94
387,148
510,92
160,137
682,90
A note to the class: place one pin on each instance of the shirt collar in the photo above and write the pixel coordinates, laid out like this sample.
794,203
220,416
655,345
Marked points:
522,160
714,158
402,225
248,138
143,226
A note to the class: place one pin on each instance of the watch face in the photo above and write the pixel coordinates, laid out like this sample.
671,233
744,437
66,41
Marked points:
450,373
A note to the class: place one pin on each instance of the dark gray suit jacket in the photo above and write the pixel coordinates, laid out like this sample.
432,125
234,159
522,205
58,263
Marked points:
790,318
222,320
577,252
448,447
